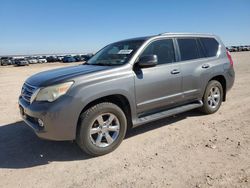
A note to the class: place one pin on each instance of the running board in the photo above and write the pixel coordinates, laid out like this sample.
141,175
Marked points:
167,113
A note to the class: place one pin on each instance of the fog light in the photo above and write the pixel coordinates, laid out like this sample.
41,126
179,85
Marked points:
40,122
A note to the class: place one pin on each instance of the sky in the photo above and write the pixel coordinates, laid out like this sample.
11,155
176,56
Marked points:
83,26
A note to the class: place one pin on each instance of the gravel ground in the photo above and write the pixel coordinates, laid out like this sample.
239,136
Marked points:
187,150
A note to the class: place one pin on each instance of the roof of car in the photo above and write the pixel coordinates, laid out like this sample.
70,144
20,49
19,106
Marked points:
172,34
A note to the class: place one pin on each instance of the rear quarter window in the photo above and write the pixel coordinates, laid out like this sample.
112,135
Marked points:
210,46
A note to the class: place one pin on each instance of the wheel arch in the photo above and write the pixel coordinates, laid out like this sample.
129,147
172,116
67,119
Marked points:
118,99
222,80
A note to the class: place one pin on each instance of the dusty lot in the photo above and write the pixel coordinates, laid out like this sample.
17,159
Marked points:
188,150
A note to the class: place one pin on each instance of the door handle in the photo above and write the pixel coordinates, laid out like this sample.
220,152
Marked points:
205,66
175,71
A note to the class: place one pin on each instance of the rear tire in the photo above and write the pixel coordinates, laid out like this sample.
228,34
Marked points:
212,97
102,129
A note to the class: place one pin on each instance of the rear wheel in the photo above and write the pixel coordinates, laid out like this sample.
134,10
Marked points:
102,129
212,97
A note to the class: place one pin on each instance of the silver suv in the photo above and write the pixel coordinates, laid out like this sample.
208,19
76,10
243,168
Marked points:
126,84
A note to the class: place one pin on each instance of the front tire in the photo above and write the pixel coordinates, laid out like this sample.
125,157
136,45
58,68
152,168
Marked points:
212,98
102,129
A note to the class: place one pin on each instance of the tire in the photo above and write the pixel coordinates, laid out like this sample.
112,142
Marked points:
95,124
209,100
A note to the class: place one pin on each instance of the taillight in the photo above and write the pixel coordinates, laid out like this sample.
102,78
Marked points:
230,58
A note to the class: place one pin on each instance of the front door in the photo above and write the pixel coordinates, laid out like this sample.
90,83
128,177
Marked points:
160,86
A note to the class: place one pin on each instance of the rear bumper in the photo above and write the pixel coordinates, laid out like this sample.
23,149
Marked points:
59,118
230,77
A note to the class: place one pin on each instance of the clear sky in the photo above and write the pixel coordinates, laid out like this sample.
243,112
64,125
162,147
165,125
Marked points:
62,26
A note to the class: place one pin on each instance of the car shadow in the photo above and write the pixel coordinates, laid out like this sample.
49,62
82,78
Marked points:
21,148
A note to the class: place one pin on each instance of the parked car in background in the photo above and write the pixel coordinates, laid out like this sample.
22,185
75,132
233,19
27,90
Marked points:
32,60
78,58
86,57
235,48
21,62
69,59
52,59
240,48
231,49
246,48
6,61
60,57
42,60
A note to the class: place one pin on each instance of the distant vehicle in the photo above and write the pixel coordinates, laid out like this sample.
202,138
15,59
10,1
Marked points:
240,48
235,48
21,62
69,59
79,58
231,49
41,57
60,58
87,57
52,59
42,60
246,48
32,60
6,61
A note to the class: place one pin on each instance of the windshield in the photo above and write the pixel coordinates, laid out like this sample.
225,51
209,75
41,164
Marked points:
118,53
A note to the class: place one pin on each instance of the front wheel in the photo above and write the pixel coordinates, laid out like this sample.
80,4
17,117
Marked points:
212,98
102,129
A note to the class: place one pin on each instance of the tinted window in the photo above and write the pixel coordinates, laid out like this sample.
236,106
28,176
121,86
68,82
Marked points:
210,46
189,49
164,49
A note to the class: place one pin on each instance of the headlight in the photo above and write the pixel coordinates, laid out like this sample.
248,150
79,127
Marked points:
51,93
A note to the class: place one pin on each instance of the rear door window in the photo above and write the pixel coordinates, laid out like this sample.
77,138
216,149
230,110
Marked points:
189,49
210,46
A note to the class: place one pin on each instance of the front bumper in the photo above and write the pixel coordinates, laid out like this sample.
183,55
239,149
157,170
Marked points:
59,117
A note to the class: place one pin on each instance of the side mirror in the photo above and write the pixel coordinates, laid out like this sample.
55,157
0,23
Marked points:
148,61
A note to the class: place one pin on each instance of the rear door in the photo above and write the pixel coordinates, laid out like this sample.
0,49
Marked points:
160,86
195,65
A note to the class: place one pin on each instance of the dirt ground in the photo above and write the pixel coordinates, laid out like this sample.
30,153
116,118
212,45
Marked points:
187,150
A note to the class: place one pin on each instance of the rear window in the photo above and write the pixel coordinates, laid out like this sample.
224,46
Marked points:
210,46
190,49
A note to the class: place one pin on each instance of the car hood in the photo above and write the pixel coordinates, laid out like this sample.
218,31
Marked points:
62,74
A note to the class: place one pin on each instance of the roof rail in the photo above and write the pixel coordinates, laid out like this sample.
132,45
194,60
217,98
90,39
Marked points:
164,33
169,33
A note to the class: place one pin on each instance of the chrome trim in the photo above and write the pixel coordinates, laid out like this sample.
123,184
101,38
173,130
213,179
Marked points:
27,92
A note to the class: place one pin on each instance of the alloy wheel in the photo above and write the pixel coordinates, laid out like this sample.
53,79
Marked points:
104,130
214,97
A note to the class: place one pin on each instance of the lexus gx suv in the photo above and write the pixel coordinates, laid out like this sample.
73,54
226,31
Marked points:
126,84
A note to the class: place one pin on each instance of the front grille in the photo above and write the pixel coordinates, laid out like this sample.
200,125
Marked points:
27,91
